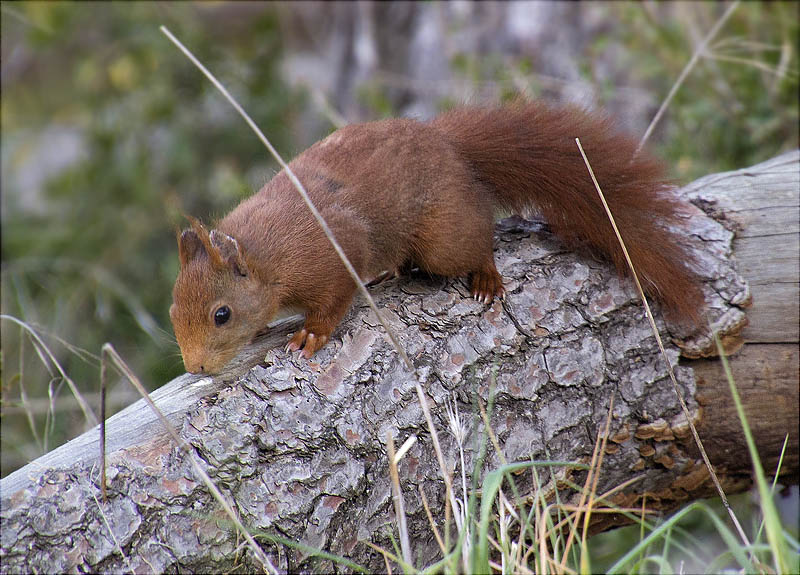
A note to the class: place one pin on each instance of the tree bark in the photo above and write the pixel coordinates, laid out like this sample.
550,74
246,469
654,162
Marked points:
761,205
299,446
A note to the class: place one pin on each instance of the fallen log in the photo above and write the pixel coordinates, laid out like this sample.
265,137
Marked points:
299,446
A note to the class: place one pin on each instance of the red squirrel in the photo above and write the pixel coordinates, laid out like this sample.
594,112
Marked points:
401,192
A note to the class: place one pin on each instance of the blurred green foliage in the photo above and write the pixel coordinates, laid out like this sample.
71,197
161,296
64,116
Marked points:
739,105
93,258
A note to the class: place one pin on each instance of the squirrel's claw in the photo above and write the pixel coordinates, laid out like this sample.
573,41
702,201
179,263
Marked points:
385,275
297,341
486,285
308,341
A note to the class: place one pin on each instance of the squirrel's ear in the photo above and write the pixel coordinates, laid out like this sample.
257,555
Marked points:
189,246
229,251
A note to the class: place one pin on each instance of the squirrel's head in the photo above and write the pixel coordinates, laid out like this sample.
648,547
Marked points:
219,305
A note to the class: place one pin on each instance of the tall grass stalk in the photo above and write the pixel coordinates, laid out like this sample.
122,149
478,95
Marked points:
783,563
49,358
672,378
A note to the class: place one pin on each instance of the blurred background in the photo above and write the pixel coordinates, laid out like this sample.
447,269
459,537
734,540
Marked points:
109,135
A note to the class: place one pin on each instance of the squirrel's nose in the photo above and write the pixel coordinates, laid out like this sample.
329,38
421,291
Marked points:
194,367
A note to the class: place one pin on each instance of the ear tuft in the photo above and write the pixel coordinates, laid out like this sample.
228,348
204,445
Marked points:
190,246
229,251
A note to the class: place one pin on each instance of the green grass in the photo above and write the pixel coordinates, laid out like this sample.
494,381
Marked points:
508,532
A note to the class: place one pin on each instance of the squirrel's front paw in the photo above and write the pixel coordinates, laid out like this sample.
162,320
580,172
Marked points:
307,341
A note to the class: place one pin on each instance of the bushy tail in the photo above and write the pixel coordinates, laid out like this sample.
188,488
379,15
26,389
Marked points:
525,154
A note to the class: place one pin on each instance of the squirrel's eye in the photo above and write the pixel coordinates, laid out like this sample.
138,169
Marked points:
222,315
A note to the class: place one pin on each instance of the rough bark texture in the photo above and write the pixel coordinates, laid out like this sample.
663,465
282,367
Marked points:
299,447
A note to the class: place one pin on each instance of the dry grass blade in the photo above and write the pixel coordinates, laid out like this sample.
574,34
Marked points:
387,556
437,448
605,510
427,508
620,487
700,51
388,565
672,378
458,431
496,444
333,115
776,70
491,434
544,550
111,534
642,516
110,354
587,492
103,374
556,567
40,405
595,479
91,418
303,193
23,394
397,498
407,444
448,513
602,498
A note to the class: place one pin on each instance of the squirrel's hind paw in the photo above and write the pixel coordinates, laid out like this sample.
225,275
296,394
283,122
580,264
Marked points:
486,285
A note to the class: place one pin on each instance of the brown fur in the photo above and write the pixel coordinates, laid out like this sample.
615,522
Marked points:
396,192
